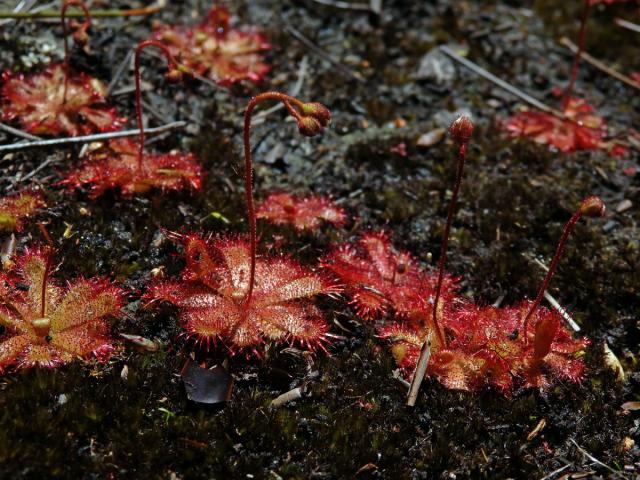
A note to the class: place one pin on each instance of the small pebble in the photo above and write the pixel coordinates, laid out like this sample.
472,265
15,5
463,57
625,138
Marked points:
609,226
624,205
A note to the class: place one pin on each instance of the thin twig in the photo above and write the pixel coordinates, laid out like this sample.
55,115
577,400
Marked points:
322,54
35,170
563,313
23,5
499,300
519,93
599,65
628,25
421,370
398,376
78,13
555,304
54,142
119,72
17,133
146,87
595,460
555,472
501,83
345,5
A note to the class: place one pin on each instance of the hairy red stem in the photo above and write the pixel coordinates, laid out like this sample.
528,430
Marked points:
248,170
45,278
311,119
576,61
461,131
63,21
592,207
173,66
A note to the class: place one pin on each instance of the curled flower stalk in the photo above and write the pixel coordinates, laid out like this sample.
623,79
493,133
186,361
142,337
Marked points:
311,118
591,207
226,294
174,75
58,101
80,36
123,164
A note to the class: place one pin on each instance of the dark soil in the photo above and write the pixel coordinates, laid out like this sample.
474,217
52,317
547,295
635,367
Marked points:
89,422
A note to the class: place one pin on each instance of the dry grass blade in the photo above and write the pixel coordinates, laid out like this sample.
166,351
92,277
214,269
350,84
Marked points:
421,370
600,66
501,83
628,25
17,133
75,13
322,54
90,138
363,7
618,473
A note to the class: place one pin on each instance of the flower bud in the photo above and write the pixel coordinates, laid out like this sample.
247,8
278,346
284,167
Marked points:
41,326
593,206
174,75
461,129
81,37
75,24
317,111
309,126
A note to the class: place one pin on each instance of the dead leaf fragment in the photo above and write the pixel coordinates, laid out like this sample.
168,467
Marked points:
612,362
627,443
287,397
630,406
534,433
369,467
142,342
